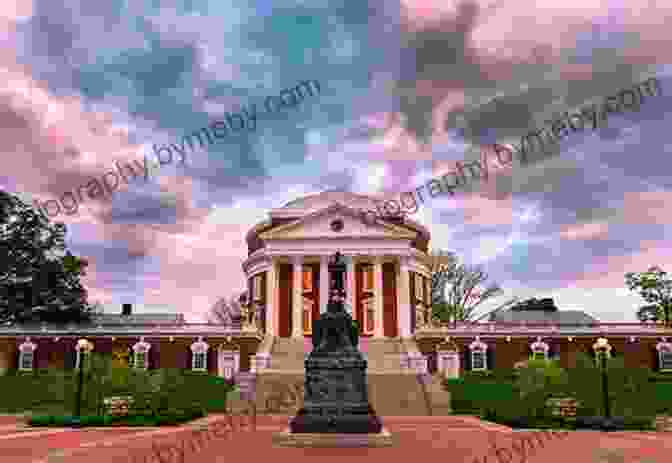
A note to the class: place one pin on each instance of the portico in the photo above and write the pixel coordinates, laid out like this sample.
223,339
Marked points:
387,278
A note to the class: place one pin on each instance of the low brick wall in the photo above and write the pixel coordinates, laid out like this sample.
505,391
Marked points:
118,405
663,423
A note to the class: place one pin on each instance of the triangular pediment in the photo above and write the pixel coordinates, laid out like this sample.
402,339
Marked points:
319,224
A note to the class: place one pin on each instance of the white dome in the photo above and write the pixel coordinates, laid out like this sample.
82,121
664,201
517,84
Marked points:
327,198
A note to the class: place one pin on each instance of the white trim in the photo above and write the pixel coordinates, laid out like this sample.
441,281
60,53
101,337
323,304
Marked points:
415,265
296,311
663,348
367,248
336,209
404,312
539,347
378,330
478,348
272,299
199,348
324,283
256,264
228,363
27,351
141,348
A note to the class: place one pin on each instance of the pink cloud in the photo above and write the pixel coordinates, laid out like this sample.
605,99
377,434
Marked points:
585,231
609,272
647,207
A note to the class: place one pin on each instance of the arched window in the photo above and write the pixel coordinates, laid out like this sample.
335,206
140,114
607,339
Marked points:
141,354
539,349
199,355
27,355
479,359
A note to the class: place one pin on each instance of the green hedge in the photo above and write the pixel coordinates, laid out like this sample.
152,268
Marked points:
156,392
169,419
633,396
663,397
473,397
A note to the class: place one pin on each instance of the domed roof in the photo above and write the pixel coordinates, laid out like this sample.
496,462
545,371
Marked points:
329,197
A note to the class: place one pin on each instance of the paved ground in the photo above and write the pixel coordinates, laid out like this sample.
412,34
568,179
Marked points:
446,439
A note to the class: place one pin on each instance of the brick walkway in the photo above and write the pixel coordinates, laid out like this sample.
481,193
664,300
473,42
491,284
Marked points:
446,439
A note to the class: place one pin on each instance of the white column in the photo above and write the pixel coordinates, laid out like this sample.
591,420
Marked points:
378,296
324,283
350,286
297,297
404,312
272,293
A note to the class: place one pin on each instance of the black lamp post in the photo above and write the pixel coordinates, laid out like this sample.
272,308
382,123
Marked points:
602,345
83,347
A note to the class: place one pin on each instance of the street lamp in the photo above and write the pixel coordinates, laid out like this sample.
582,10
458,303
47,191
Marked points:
83,347
602,345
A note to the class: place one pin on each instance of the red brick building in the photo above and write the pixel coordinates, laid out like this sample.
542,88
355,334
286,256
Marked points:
387,290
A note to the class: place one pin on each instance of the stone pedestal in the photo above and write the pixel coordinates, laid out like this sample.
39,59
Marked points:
290,439
336,396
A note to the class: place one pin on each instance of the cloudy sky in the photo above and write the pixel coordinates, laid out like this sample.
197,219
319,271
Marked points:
407,90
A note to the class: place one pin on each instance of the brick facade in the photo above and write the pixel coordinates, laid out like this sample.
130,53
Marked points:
504,354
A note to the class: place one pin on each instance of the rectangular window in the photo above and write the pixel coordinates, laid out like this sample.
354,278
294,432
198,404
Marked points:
369,315
199,361
140,360
307,280
307,316
478,361
256,287
665,361
26,361
418,287
367,279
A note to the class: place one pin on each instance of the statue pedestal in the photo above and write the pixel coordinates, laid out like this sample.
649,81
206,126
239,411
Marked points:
290,439
336,410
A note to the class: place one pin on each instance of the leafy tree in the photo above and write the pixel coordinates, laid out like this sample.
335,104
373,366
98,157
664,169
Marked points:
650,313
461,284
442,265
38,280
655,287
227,311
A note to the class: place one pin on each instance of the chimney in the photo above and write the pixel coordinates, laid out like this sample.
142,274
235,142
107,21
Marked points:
126,309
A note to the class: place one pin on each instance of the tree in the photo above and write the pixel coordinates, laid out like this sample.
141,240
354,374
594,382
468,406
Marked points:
39,278
650,313
460,283
227,311
442,265
655,287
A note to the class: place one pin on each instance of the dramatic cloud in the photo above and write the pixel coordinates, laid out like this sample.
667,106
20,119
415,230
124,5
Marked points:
407,90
